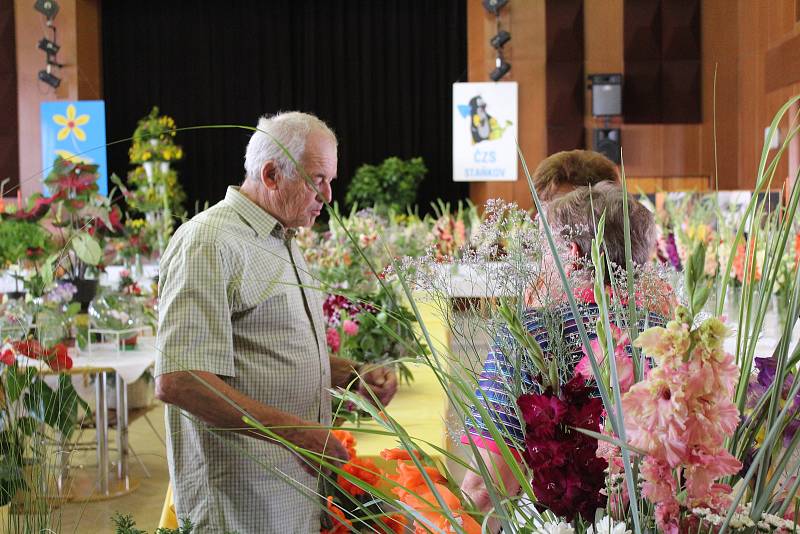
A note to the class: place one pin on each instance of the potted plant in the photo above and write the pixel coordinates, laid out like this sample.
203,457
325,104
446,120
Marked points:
83,219
21,242
33,414
391,185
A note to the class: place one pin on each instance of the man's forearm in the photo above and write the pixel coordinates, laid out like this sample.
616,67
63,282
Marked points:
217,404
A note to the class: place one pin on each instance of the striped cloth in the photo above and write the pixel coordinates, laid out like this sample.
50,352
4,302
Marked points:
500,384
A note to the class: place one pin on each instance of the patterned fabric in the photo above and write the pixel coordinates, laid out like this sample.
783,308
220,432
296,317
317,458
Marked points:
236,301
499,384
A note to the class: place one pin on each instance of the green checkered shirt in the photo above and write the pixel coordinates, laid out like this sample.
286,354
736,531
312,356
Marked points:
231,303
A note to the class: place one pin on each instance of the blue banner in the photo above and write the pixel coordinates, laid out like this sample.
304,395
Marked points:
77,131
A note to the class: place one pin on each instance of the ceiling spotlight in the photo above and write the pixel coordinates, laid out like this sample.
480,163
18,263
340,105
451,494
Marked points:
49,46
500,70
48,8
50,79
497,41
494,6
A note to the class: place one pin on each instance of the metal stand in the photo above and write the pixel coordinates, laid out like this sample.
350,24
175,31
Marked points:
101,422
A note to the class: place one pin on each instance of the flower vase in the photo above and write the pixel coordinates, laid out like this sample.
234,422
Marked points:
87,289
149,169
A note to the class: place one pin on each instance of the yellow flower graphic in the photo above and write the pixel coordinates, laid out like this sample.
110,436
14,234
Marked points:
66,154
71,123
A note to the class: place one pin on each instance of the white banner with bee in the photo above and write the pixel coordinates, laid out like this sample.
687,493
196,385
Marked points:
485,132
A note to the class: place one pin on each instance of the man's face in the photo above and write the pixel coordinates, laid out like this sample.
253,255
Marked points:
300,203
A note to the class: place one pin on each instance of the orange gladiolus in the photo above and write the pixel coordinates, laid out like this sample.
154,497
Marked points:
397,454
797,248
362,469
413,490
395,522
347,440
341,523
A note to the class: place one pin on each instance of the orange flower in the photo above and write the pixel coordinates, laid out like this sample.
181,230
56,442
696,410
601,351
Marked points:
341,524
347,440
797,248
396,523
397,454
740,265
362,469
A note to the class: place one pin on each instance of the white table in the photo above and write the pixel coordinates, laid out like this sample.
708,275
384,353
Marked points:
128,366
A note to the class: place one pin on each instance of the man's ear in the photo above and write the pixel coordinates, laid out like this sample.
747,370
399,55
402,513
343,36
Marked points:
269,175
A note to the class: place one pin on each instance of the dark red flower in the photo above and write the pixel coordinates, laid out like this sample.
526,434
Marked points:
568,475
542,413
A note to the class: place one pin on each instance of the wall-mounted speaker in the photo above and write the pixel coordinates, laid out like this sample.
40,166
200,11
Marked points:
606,94
607,142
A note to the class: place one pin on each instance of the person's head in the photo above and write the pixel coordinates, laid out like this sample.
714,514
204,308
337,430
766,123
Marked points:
274,181
562,172
577,213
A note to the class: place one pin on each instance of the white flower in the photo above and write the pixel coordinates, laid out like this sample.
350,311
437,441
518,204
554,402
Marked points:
555,528
607,526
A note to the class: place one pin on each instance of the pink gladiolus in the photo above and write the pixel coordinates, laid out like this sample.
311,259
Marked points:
350,327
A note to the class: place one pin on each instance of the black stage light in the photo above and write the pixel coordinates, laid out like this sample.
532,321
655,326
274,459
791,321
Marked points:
500,39
48,8
501,70
49,46
50,79
494,6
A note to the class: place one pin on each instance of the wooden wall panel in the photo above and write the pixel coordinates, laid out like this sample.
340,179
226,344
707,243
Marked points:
9,131
737,37
76,81
526,52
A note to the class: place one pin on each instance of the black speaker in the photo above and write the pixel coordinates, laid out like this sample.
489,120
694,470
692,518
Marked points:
606,94
607,142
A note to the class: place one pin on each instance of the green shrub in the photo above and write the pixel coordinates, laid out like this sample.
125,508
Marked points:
391,185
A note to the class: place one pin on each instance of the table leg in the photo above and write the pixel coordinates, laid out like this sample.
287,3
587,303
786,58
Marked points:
122,427
101,419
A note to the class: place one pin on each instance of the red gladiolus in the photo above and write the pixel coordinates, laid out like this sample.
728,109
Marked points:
568,475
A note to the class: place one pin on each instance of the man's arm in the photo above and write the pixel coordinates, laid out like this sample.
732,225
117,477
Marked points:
381,380
209,398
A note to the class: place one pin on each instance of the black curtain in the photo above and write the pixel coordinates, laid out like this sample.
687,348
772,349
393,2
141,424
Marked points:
379,72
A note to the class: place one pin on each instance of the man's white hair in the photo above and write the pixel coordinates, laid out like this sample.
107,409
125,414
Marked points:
290,129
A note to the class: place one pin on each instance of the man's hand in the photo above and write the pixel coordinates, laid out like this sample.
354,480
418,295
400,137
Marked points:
322,442
381,381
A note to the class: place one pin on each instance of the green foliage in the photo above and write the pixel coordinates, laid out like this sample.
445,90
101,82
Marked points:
391,185
20,240
124,524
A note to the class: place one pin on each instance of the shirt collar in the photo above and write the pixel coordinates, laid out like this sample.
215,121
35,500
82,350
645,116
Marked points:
256,217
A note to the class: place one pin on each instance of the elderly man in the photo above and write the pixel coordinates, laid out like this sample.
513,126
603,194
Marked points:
241,332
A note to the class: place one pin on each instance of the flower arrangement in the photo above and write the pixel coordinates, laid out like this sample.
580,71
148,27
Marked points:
82,217
351,501
153,139
152,187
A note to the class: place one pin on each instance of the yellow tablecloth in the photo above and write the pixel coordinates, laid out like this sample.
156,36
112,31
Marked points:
418,407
